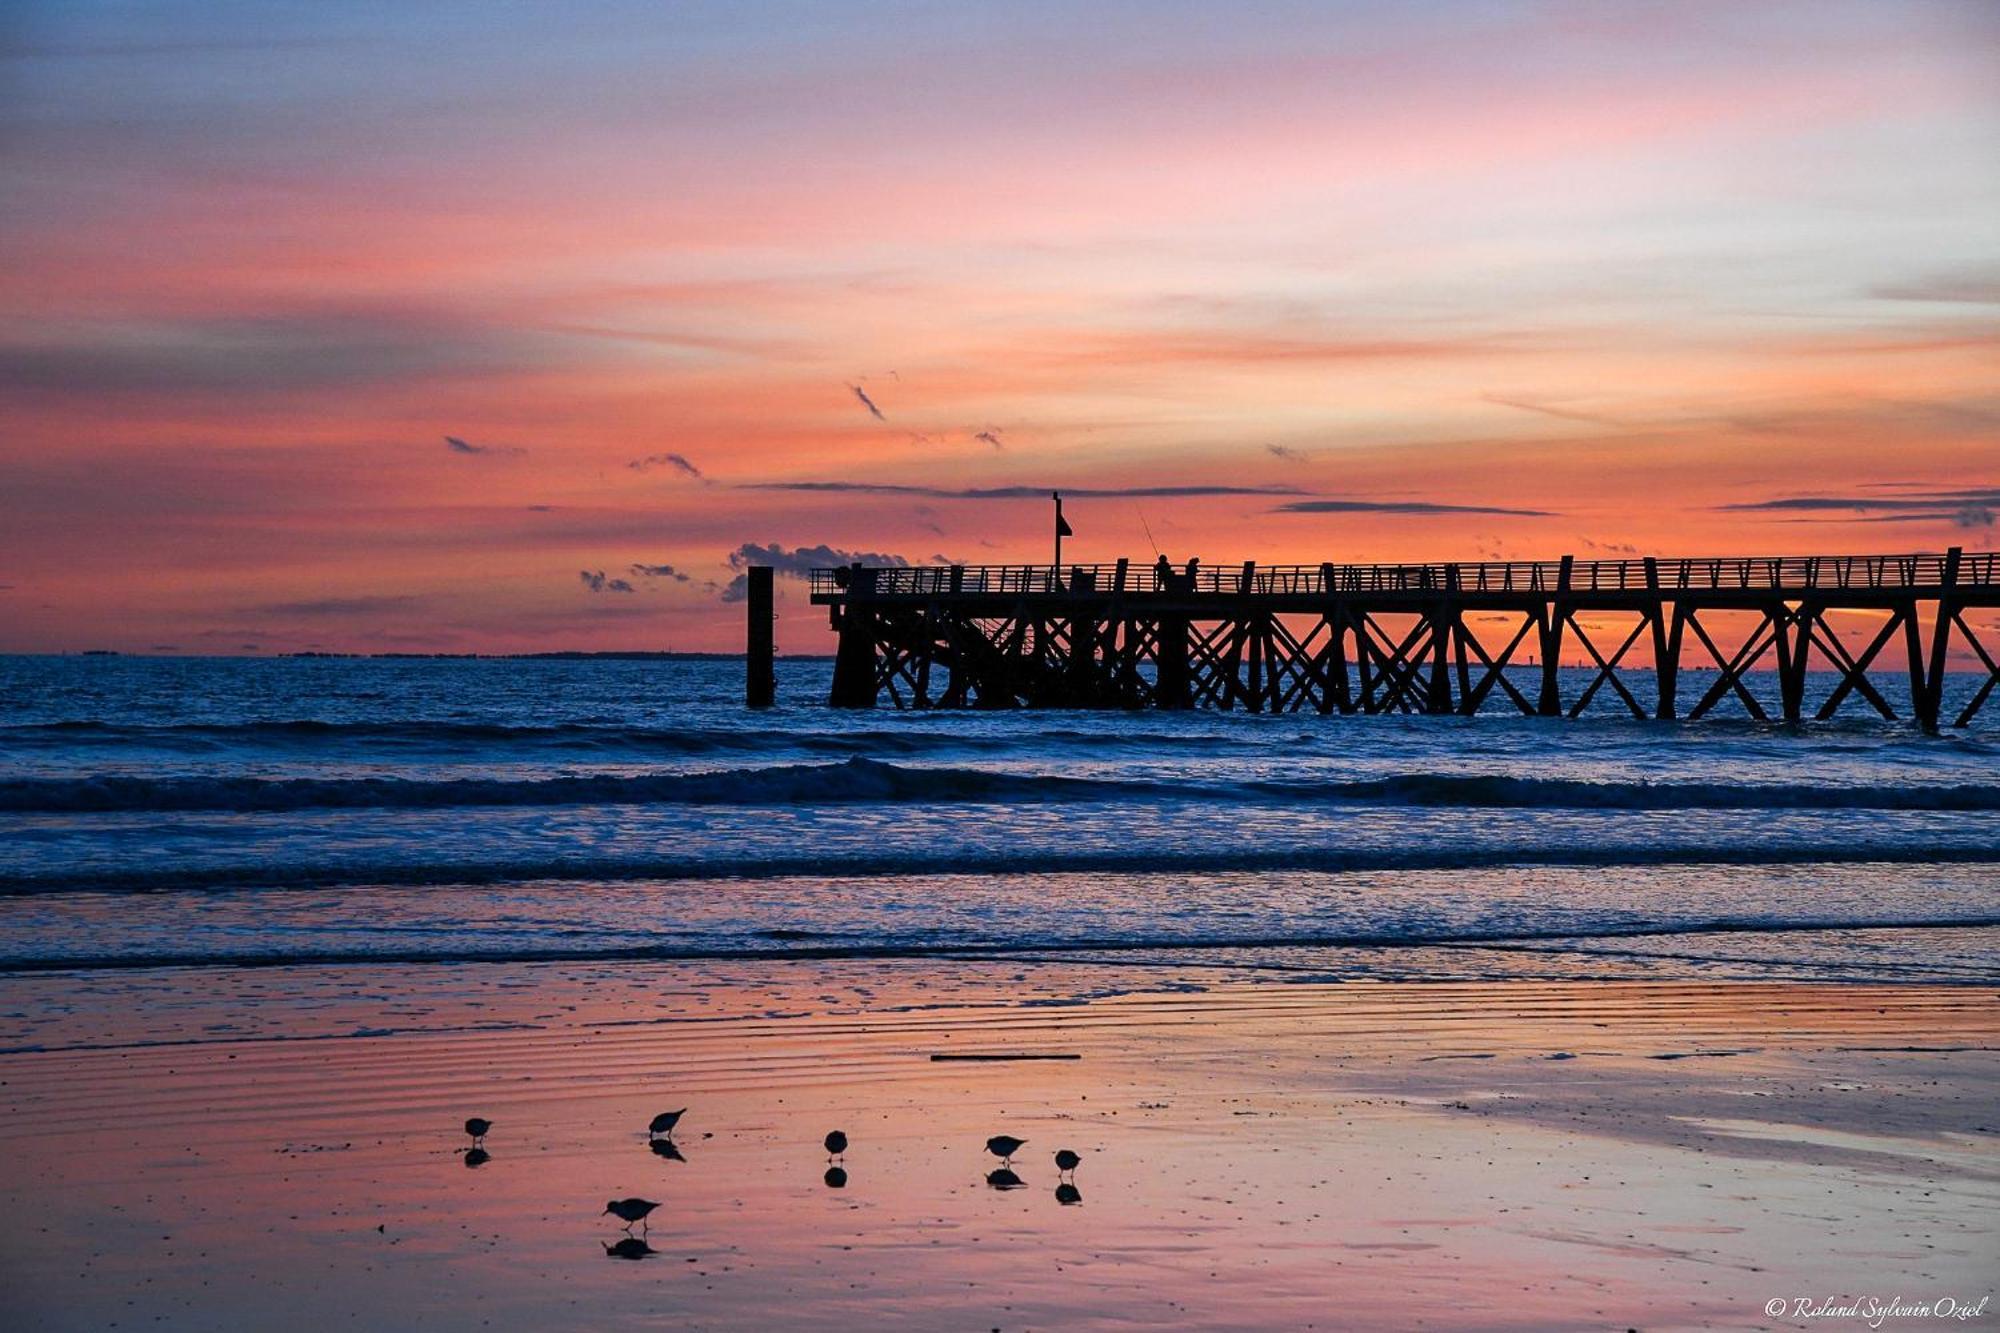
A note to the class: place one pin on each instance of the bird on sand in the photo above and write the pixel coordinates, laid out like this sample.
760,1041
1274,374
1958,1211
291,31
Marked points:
1004,1146
664,1122
630,1211
1067,1161
477,1127
836,1145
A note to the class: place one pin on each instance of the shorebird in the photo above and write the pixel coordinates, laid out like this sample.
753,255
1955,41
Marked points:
1004,1146
1067,1161
631,1211
477,1127
664,1122
836,1145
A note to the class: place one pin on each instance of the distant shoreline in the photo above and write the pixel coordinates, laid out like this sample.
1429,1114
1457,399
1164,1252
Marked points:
626,655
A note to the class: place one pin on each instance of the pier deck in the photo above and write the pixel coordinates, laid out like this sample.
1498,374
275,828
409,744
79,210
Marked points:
1668,638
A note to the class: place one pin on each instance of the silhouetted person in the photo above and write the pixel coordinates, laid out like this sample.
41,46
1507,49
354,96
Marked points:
1194,564
1163,573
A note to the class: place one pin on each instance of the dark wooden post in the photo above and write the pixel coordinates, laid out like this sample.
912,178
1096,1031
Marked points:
1940,642
1553,611
1665,616
761,683
854,659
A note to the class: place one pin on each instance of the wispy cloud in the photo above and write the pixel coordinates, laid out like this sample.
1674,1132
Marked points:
678,462
597,582
867,402
1972,508
1403,507
340,606
1555,410
659,572
1016,492
1976,286
991,437
1286,452
458,446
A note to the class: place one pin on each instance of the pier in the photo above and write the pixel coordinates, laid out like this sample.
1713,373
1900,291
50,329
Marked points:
1786,637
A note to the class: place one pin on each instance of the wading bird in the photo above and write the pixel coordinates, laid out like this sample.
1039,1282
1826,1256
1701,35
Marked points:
1004,1146
630,1211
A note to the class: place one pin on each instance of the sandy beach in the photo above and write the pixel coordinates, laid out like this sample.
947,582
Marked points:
1523,1154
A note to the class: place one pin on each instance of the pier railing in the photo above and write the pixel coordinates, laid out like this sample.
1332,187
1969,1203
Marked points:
1816,631
1784,574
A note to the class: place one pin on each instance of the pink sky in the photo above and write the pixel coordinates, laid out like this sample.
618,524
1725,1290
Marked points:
1628,267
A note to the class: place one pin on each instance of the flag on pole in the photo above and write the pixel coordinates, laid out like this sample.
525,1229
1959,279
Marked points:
1062,524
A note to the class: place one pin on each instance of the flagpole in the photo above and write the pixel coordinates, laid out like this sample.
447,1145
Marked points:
1057,497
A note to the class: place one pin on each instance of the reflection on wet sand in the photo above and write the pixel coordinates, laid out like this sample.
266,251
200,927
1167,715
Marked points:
666,1148
631,1247
1289,1115
1001,1178
836,1177
477,1157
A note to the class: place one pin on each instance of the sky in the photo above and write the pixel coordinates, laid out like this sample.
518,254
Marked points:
464,327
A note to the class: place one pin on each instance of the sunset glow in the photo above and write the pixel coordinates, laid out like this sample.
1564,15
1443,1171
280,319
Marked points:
383,328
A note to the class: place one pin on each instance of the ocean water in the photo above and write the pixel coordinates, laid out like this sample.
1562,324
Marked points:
250,812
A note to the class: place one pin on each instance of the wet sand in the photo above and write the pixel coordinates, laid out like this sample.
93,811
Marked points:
220,1149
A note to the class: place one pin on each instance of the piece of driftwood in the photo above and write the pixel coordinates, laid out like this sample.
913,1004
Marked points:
1004,1055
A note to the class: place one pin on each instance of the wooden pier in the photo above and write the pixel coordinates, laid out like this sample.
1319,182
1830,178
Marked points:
1789,637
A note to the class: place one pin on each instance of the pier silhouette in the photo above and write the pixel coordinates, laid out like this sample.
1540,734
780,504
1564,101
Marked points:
1422,638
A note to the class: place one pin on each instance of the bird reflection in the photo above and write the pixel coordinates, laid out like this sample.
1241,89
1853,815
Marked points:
477,1157
629,1248
666,1148
836,1177
1067,1194
1004,1179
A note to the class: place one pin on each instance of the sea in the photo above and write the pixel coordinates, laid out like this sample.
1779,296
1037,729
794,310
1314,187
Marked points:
242,813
